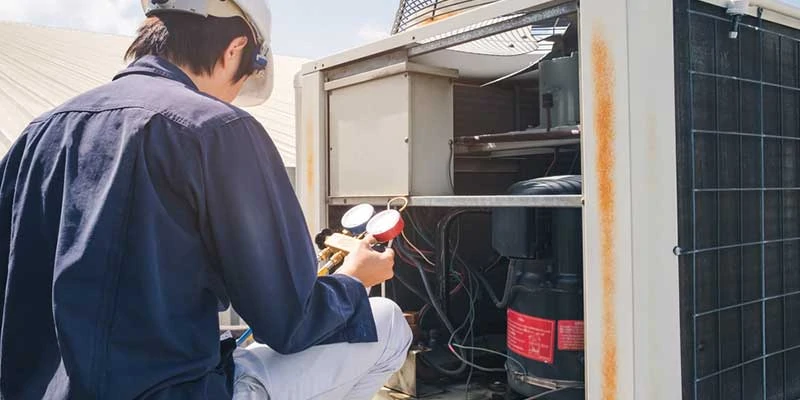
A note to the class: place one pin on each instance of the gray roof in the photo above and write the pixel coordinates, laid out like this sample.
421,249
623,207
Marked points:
41,68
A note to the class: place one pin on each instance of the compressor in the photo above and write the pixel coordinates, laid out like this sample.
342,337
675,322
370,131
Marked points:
545,335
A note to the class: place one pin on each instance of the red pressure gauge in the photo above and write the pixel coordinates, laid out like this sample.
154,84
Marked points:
386,225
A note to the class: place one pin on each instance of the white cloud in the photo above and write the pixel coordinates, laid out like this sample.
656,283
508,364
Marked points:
369,33
108,16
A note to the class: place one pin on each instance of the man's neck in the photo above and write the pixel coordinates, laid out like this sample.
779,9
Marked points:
203,82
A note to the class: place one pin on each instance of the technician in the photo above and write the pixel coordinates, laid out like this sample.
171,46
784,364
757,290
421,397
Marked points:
132,214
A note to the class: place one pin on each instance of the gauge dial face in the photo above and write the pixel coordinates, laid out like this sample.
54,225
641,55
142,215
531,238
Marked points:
355,219
385,225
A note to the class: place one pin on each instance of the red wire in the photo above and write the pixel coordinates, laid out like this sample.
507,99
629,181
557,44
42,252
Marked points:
411,263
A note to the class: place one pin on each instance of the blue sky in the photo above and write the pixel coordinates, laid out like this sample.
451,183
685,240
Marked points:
334,25
309,29
301,28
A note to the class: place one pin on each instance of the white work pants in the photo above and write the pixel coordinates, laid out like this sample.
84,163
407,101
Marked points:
344,371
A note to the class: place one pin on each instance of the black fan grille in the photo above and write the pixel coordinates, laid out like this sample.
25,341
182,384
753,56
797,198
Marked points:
738,104
411,13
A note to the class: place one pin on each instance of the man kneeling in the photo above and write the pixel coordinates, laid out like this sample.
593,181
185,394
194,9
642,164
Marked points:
133,213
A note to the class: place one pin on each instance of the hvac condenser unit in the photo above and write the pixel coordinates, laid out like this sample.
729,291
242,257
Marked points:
625,177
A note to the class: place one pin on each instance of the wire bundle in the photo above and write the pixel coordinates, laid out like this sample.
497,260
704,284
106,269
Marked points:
467,280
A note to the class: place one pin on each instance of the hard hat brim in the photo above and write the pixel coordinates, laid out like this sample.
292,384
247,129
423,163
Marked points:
258,87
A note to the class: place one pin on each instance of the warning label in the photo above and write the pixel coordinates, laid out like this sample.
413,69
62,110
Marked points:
570,335
531,337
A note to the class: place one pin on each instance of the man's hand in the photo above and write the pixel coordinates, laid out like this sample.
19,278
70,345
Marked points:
367,265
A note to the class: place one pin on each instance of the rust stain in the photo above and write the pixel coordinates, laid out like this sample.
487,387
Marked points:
603,71
439,17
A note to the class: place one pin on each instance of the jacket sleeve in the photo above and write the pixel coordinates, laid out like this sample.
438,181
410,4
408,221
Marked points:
9,170
259,235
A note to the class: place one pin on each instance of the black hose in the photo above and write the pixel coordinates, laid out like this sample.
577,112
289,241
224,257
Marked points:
449,326
510,289
442,370
507,289
411,288
435,304
491,266
443,251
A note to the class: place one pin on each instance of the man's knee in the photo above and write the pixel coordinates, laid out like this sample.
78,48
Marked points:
393,329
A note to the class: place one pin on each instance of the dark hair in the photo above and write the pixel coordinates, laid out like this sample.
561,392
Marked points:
193,41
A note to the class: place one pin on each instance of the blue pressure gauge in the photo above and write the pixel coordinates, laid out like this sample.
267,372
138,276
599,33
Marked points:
355,219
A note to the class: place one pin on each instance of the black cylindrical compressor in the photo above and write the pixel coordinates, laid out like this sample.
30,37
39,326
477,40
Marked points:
545,329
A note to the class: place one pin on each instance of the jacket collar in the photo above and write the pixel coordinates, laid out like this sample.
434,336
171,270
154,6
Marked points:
154,65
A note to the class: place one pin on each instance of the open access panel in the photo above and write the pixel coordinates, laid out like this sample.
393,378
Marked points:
600,194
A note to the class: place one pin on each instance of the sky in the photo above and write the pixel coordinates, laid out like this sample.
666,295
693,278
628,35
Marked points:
301,28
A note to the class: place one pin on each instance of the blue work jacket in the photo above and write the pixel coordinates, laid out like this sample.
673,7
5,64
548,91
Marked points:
129,217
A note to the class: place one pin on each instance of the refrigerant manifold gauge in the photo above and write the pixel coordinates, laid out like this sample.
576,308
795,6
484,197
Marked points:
355,219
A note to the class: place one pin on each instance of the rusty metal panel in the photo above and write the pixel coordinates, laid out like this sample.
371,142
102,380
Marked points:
630,213
312,149
607,211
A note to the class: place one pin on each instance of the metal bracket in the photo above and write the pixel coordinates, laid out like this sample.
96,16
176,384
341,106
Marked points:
504,201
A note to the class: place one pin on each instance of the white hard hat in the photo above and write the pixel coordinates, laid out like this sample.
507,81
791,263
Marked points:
258,87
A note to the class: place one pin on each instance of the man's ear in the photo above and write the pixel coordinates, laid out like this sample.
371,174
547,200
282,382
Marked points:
234,50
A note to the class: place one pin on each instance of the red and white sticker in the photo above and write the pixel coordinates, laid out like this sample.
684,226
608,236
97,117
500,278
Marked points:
570,335
531,337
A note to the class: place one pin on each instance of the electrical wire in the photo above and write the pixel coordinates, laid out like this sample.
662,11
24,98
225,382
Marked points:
453,346
418,230
470,281
474,282
490,351
448,325
510,288
575,161
451,165
417,249
471,319
494,264
401,209
411,288
553,164
470,334
429,242
474,287
424,310
406,257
